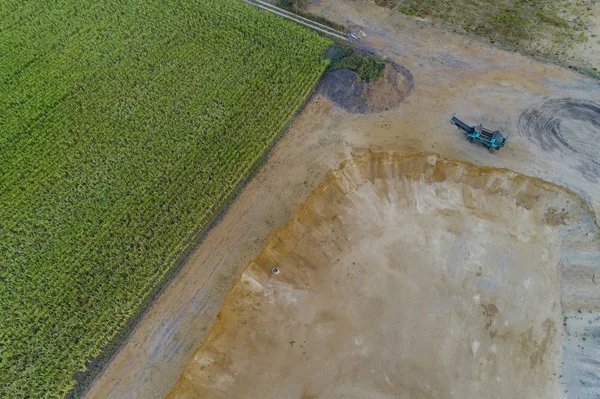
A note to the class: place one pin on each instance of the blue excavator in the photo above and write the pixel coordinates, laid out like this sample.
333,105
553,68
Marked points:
492,139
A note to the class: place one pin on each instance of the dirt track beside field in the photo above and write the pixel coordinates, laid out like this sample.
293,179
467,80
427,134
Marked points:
453,74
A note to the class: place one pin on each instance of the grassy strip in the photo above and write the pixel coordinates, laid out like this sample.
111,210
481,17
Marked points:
299,7
126,127
543,28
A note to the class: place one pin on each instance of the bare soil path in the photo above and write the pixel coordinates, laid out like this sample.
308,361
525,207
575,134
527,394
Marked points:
452,73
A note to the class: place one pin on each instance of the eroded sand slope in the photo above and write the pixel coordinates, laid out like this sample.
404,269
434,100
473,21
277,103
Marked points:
410,277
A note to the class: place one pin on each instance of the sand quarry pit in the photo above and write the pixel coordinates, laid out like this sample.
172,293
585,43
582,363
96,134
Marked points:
413,277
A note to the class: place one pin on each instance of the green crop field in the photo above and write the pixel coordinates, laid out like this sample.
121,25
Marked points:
124,127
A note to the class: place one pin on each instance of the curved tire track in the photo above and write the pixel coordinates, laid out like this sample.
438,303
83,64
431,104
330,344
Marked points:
568,125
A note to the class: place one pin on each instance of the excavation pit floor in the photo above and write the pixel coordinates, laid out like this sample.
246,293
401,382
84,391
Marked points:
409,277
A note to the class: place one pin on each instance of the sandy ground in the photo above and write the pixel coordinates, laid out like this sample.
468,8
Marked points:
405,278
452,74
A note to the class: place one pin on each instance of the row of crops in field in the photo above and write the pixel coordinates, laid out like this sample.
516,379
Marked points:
124,126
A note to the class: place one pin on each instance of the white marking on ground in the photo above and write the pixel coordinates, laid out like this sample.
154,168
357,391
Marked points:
475,347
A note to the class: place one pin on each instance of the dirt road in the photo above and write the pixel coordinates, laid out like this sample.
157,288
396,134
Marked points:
452,74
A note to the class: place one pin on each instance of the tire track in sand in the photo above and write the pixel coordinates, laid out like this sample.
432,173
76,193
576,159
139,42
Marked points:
568,125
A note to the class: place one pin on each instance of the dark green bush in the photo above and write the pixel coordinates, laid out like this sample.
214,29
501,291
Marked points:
285,3
368,67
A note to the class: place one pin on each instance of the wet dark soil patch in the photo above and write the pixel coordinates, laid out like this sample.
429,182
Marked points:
344,88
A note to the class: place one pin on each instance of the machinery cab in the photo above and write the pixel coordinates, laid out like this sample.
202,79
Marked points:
492,139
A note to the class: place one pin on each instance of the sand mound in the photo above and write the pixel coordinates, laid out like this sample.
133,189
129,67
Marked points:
413,277
344,89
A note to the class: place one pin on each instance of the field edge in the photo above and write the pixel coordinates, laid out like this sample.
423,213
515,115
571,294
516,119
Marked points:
97,366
